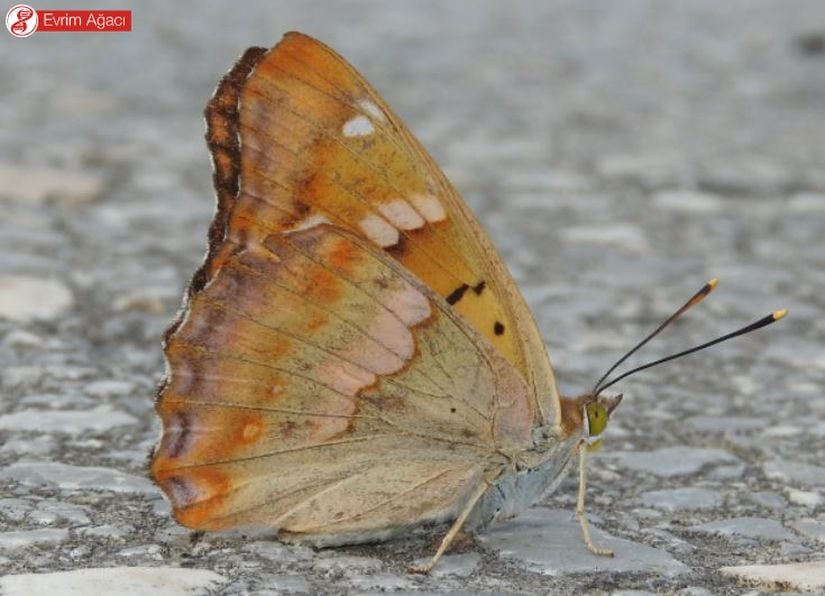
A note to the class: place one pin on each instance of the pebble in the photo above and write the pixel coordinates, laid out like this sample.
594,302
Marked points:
794,472
618,235
24,538
20,338
114,581
745,527
803,577
805,498
49,512
549,541
334,564
108,531
770,499
37,445
279,584
98,419
381,582
810,528
688,201
15,509
727,423
24,298
36,185
672,461
677,499
68,477
647,170
109,388
463,565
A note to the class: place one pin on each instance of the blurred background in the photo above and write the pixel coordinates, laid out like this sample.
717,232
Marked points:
619,153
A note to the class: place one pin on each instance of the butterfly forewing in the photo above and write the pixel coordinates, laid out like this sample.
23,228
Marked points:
314,143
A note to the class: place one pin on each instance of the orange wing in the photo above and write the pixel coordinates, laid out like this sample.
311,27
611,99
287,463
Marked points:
298,138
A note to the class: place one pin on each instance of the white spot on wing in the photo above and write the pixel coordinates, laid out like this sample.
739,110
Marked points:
310,222
401,214
357,126
429,206
373,110
379,231
410,305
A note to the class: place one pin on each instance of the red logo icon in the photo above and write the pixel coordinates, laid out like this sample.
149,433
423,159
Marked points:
21,20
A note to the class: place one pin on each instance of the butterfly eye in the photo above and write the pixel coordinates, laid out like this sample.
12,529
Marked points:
596,418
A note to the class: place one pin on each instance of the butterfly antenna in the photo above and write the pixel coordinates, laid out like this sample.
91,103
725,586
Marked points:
763,322
695,299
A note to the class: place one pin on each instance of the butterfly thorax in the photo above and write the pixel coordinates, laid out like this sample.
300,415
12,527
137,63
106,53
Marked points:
535,473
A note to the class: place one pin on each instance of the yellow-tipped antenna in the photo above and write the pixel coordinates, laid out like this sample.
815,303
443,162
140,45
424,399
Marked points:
763,322
694,300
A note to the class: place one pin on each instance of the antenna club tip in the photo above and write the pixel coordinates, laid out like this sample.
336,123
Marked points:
779,314
713,282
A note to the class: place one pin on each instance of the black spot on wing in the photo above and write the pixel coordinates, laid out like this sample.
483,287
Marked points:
457,294
498,328
479,287
399,249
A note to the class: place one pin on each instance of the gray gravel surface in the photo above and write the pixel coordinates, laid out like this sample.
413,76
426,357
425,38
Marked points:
619,153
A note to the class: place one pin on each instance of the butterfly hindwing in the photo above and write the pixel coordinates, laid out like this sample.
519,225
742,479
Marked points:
318,388
299,138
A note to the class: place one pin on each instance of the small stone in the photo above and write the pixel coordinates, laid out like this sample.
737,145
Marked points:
37,445
650,171
36,185
727,423
114,581
66,421
348,565
277,585
682,499
381,582
463,565
109,388
151,300
620,235
810,528
20,338
793,549
767,499
277,551
24,538
745,527
806,577
106,531
549,542
672,461
151,551
806,202
796,472
16,376
15,509
727,472
688,201
804,497
24,298
69,512
36,473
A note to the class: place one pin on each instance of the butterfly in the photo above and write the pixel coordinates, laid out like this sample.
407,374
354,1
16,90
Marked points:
353,359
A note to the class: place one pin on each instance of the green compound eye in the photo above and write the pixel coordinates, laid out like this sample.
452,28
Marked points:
596,418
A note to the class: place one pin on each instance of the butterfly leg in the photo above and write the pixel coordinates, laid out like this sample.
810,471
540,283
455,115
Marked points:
603,552
451,534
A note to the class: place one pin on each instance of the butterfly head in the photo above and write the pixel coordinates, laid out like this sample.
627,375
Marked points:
596,415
